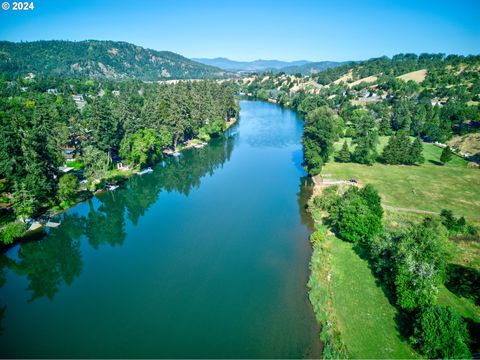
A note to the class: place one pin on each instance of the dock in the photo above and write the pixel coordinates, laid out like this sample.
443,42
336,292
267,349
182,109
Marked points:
145,171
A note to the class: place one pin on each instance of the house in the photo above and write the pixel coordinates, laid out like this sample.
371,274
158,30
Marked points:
115,93
79,101
365,94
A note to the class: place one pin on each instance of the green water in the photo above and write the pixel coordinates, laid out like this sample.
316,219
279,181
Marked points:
205,257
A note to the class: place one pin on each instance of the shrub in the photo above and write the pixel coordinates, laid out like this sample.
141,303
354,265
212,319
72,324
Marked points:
441,333
356,222
359,215
11,231
456,226
328,199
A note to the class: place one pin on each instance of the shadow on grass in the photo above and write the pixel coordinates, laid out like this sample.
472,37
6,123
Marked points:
474,331
404,321
464,282
435,162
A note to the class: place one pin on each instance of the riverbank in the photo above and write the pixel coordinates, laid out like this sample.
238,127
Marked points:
357,318
114,176
348,299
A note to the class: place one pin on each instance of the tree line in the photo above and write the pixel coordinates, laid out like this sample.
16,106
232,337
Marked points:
128,121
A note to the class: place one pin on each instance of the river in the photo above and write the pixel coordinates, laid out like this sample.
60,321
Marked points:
205,257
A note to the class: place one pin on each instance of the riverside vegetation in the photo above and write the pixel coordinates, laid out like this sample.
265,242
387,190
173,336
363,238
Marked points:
129,123
387,258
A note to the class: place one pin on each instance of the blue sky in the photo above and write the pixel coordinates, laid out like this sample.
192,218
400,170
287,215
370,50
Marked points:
248,30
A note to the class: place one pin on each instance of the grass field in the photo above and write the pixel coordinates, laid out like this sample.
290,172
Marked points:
426,187
365,318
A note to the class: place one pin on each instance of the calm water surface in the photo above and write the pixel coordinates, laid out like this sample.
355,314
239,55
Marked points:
205,257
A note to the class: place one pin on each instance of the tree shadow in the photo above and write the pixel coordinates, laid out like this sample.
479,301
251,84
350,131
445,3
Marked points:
464,282
404,321
435,162
473,328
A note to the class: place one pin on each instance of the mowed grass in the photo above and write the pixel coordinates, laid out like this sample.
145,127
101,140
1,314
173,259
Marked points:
428,187
365,318
465,307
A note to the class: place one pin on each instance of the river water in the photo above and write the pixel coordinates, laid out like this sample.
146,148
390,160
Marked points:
205,257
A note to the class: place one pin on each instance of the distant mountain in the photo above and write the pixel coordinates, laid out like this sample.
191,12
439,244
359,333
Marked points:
290,67
256,65
311,67
91,58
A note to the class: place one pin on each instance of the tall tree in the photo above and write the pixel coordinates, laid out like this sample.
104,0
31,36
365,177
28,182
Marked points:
344,153
318,137
366,140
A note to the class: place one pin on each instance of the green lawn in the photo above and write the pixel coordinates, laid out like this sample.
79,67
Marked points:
365,318
464,307
429,186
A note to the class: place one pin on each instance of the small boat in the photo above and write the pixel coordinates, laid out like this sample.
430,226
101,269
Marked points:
52,224
112,187
145,171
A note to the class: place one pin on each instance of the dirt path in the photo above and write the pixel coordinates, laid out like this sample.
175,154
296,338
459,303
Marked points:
417,211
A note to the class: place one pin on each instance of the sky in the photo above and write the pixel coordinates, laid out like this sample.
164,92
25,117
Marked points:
336,30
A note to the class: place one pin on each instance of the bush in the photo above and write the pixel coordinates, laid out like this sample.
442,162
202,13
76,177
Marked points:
358,216
441,333
11,232
328,199
456,226
356,221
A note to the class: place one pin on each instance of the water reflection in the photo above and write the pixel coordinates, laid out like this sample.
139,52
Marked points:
56,258
304,194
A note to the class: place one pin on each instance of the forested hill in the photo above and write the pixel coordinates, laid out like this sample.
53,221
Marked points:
98,59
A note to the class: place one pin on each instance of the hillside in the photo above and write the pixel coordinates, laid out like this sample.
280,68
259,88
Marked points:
311,67
98,59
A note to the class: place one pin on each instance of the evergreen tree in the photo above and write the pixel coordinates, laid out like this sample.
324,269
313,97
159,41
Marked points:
418,121
400,150
344,153
366,140
385,125
446,155
416,152
23,202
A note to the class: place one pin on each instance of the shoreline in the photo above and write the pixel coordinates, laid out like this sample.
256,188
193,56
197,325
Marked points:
123,176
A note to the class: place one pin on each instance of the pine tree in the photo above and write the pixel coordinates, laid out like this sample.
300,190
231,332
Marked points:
344,153
416,152
390,151
446,155
397,149
385,126
366,140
